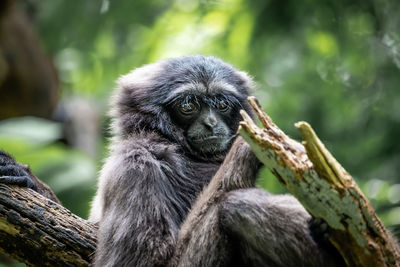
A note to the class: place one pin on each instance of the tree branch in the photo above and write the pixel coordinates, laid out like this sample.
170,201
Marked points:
324,188
40,232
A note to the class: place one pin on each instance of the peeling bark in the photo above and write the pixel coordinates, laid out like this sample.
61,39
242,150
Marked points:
40,232
324,188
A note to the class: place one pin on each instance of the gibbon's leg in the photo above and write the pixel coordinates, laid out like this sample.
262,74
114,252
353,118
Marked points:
273,230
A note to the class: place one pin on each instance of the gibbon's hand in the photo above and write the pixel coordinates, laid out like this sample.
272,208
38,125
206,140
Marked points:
14,173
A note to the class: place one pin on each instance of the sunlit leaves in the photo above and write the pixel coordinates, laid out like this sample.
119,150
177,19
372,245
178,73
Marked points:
323,43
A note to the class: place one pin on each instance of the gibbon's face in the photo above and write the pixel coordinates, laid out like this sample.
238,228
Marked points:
209,121
194,101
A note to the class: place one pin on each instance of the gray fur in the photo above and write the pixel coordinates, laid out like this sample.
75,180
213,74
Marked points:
164,201
282,237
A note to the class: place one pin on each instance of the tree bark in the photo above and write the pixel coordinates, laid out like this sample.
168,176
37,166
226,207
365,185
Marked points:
40,232
324,188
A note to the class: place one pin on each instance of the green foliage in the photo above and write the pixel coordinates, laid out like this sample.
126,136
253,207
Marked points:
70,173
332,63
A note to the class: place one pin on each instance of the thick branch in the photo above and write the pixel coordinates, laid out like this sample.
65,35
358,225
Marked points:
324,188
40,232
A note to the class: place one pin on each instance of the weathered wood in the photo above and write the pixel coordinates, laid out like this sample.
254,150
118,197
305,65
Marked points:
324,188
40,232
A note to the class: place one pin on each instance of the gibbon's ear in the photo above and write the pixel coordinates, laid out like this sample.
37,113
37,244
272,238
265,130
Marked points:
247,87
136,91
140,79
136,87
137,101
248,82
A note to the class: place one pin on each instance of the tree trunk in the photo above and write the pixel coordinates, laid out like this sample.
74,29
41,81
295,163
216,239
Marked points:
324,188
28,78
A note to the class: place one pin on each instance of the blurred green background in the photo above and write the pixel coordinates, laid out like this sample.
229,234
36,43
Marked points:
334,64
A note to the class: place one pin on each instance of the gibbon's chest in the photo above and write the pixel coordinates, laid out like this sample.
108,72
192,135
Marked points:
188,180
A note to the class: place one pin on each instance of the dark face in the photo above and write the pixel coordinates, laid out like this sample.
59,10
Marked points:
209,122
193,101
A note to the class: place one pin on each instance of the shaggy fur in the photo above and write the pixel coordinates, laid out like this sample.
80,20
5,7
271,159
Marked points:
148,205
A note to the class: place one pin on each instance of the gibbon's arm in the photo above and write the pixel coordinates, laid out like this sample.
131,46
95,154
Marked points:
138,226
200,233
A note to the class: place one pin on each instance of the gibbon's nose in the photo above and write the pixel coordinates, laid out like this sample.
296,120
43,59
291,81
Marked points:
210,120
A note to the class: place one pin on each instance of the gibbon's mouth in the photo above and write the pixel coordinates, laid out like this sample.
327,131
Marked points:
210,144
212,138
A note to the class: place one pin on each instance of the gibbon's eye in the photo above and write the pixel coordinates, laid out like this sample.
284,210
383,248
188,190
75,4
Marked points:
187,108
222,105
